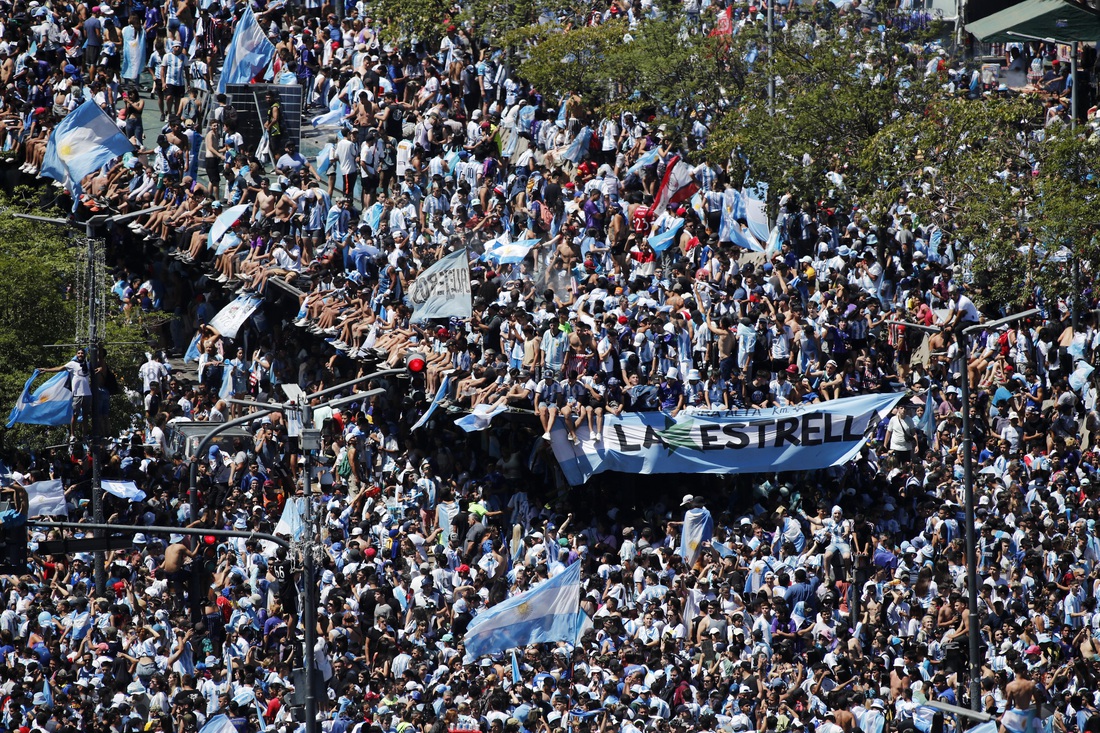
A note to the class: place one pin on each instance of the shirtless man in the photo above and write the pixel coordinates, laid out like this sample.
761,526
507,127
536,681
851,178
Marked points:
266,202
1021,717
175,568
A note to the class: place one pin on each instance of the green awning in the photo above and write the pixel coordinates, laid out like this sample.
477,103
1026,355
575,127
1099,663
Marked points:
1048,20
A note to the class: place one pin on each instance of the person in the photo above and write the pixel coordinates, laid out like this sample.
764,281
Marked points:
823,599
274,124
80,383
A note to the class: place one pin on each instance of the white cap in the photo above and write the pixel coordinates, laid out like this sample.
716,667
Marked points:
687,500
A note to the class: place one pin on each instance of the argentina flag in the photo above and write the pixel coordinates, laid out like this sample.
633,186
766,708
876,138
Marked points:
248,54
663,240
578,149
50,404
84,141
698,528
133,52
547,613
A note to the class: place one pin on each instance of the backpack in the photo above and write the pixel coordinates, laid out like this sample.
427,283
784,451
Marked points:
794,228
343,466
546,216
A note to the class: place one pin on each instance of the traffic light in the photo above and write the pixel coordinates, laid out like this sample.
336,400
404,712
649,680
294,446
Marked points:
209,554
13,550
415,362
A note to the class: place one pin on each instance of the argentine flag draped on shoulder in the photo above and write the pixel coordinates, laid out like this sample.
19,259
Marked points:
698,528
548,612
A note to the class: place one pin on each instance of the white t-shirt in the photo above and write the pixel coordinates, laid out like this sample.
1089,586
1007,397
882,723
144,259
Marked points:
81,378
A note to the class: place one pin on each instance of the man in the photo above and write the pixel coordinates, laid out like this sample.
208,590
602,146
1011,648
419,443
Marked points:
547,398
291,158
275,124
347,167
1021,716
172,77
80,382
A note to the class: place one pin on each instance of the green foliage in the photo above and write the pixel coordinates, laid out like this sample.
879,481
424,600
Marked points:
41,266
832,96
578,61
424,20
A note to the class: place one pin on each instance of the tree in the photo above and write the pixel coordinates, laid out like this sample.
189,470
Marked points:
38,308
833,94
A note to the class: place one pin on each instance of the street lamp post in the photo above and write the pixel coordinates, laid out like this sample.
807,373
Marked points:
968,505
310,443
973,633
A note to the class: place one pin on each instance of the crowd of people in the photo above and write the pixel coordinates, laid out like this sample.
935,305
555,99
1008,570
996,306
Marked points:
829,601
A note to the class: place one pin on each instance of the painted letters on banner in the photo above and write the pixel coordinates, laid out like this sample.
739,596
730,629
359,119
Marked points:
794,438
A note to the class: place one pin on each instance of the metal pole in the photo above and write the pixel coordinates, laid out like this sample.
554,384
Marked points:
159,529
1075,314
1073,95
309,611
968,501
771,75
971,540
93,423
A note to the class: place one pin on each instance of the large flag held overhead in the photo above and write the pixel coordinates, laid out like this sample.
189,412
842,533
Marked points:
50,404
84,141
443,290
578,149
663,240
676,186
46,499
547,613
249,53
510,253
647,158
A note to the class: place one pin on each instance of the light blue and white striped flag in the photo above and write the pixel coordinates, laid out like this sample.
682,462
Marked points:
578,149
133,53
46,499
50,404
123,490
663,240
249,52
698,528
84,141
547,613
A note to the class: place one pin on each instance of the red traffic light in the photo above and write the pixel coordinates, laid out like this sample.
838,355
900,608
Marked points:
209,539
415,362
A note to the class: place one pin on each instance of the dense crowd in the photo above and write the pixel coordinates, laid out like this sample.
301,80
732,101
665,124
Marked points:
829,600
